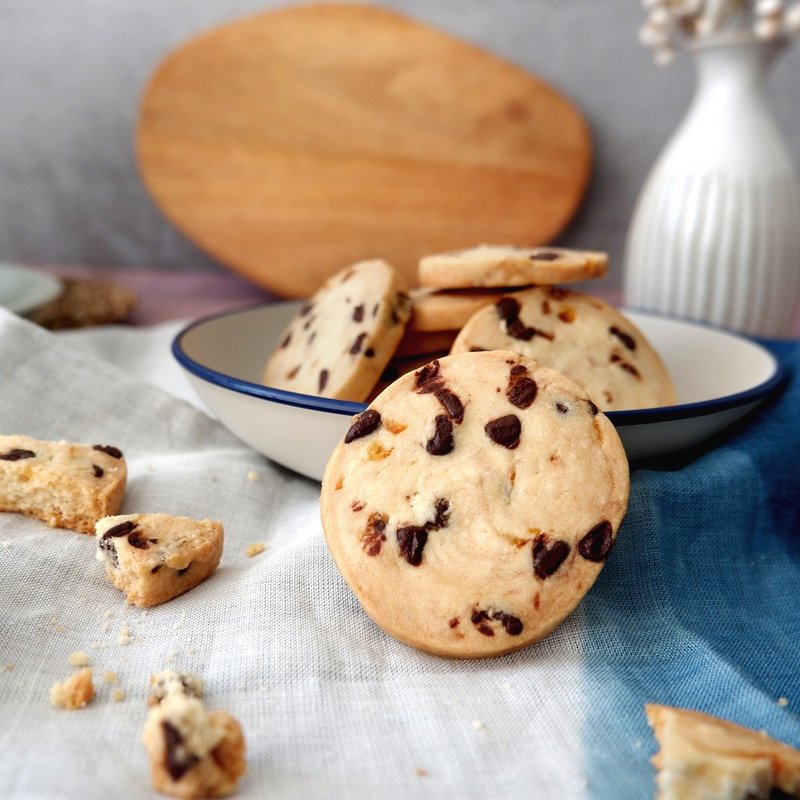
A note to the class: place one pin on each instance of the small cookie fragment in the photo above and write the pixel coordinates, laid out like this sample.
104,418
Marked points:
585,338
505,265
63,484
155,557
474,503
193,752
75,692
342,338
702,757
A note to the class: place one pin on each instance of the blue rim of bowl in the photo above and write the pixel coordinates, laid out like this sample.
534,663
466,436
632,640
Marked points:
642,416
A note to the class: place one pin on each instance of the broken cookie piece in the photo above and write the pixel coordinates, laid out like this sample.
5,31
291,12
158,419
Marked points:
155,557
63,484
75,692
193,752
705,757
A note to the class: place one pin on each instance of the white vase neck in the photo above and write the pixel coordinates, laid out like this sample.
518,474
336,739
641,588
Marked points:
739,63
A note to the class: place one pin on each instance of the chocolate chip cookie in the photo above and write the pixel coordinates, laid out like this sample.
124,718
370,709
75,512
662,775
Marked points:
474,502
342,338
503,265
584,337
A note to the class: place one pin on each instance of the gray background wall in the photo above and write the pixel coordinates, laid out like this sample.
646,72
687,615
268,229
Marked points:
72,72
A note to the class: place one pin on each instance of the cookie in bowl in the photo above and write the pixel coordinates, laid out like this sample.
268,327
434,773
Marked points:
342,338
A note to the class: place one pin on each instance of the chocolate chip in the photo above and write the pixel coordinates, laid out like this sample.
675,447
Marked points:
442,515
108,450
156,568
454,622
548,556
411,540
522,389
374,535
306,309
442,442
593,408
363,425
504,431
513,625
323,379
507,309
358,313
452,404
596,545
427,379
562,408
357,344
545,256
480,619
177,759
292,373
625,338
287,339
135,540
98,472
122,529
369,352
17,454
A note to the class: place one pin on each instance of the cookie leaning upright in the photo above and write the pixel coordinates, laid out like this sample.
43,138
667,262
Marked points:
342,338
504,265
473,504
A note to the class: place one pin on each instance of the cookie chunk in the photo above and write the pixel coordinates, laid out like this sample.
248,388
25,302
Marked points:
155,557
703,757
343,337
474,502
501,265
75,692
193,752
583,337
65,485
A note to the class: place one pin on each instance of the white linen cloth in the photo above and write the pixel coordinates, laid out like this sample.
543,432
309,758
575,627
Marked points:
330,706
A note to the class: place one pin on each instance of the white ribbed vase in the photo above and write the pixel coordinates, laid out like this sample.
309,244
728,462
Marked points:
715,235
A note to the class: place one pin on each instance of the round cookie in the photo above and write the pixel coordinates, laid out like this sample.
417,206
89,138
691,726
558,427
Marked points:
342,338
473,504
585,338
504,265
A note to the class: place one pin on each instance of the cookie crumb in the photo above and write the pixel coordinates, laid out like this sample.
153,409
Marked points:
254,549
73,693
420,772
78,659
10,666
118,695
478,726
98,645
124,636
5,545
253,476
109,676
783,702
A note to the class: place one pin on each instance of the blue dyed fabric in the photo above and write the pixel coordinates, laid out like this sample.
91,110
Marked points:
700,604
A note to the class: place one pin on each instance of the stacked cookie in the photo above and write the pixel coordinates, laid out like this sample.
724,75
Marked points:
361,331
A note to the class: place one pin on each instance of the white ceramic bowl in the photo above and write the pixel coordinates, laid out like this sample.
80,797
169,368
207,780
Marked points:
719,377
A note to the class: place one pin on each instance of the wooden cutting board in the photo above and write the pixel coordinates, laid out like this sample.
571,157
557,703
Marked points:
290,144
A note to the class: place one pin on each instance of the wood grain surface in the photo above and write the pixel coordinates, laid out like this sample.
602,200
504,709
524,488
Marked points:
294,142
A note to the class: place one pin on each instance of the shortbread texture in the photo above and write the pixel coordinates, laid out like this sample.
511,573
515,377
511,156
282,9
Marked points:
63,484
193,752
474,503
342,338
155,557
703,757
585,338
74,692
505,265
